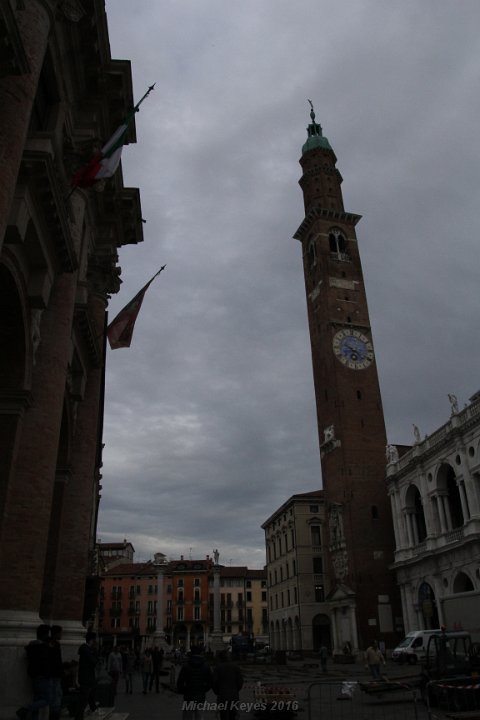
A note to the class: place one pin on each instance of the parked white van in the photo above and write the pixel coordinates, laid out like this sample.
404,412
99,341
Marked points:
413,647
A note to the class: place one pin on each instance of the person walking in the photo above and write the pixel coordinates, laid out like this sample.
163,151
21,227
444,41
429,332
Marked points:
227,683
373,659
115,667
194,681
146,667
128,658
87,676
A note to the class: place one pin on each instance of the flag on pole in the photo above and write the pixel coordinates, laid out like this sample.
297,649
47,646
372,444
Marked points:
105,162
120,330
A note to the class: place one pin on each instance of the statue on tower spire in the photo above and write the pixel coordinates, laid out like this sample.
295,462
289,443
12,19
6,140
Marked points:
315,135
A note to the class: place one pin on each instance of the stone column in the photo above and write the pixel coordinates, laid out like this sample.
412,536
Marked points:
17,94
463,501
353,626
79,504
217,643
441,514
159,635
28,503
408,523
396,524
335,649
448,515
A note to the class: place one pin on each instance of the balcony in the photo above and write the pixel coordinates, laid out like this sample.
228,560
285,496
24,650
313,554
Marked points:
115,612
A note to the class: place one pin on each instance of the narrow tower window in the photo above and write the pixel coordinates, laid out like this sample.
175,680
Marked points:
312,254
337,244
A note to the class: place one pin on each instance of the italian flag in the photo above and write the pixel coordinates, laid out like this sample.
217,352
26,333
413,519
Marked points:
105,162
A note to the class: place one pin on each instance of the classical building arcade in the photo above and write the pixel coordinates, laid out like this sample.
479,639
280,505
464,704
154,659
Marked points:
61,95
434,491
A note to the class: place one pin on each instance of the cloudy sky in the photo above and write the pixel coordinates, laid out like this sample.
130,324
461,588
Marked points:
210,415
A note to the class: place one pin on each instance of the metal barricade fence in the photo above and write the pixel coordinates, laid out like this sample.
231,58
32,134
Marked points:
346,700
450,698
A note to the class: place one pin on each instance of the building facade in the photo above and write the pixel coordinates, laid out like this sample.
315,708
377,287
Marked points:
134,595
362,591
61,95
295,537
434,490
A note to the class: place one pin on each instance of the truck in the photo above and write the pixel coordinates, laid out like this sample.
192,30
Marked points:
461,612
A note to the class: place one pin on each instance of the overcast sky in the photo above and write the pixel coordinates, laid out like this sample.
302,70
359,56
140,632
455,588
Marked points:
210,415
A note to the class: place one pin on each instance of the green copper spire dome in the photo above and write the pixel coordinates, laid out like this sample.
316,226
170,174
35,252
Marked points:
315,137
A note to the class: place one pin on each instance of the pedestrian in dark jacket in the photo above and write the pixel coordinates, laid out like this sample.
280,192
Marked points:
194,681
38,668
56,670
227,683
87,676
157,661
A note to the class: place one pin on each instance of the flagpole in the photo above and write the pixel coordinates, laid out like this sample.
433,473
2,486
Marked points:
127,122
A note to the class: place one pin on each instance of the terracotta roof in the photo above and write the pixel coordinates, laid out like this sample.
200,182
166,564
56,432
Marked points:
230,571
259,574
147,568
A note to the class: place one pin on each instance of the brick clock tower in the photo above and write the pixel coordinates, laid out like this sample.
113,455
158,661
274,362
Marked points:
361,596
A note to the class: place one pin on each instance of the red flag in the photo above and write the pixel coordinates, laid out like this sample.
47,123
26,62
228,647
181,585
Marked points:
120,330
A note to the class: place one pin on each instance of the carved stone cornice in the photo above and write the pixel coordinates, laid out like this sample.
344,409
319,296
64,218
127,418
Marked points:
319,213
38,166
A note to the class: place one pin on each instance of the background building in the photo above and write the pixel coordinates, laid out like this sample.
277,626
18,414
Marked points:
434,490
129,606
299,618
62,96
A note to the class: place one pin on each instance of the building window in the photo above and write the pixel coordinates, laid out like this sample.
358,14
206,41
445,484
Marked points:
264,596
316,534
317,565
337,244
115,623
180,582
292,538
312,253
197,613
319,593
180,613
249,596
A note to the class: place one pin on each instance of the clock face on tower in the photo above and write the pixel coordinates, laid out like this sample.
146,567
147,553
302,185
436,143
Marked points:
353,349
